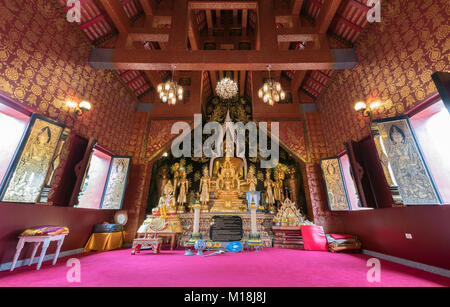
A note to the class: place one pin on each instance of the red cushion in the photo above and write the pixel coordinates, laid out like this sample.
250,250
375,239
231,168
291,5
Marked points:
342,237
314,238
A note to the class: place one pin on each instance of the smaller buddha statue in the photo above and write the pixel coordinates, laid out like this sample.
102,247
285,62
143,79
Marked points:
176,178
292,185
205,187
183,183
166,203
268,185
277,186
163,179
252,181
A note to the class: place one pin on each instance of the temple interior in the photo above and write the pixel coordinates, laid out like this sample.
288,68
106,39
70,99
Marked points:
296,142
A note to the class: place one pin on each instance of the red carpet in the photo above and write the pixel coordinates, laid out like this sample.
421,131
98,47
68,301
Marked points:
271,267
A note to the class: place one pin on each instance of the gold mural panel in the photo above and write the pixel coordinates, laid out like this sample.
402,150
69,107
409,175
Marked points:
406,164
32,162
116,183
336,191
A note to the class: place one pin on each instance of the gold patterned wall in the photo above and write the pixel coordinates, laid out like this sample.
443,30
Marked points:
395,61
44,61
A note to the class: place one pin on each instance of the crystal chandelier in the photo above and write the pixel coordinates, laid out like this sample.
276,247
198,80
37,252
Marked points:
170,91
226,89
271,91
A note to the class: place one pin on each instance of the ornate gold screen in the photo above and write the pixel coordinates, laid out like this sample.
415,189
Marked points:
116,183
403,163
32,162
334,182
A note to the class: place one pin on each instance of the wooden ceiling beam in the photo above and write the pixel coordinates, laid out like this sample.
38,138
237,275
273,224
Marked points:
154,77
244,22
209,21
149,7
267,29
242,78
326,15
235,18
297,35
297,80
178,29
213,77
149,35
296,7
115,11
193,33
218,18
312,59
222,5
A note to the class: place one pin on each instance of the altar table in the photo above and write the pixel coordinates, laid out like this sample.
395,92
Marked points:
171,235
37,240
139,243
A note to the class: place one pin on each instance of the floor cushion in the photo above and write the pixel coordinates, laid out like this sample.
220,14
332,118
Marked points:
314,238
341,243
45,231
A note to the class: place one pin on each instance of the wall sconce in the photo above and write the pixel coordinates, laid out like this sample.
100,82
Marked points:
361,107
80,108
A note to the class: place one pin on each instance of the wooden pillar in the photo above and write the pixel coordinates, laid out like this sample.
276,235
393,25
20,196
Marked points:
178,30
267,29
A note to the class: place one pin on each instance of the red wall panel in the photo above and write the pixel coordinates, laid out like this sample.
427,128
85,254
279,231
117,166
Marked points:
14,218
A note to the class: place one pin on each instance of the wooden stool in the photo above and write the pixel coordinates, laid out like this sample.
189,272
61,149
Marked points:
37,240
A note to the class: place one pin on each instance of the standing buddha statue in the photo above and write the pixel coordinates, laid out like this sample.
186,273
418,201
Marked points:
183,183
163,179
278,187
292,185
270,201
205,187
176,178
252,181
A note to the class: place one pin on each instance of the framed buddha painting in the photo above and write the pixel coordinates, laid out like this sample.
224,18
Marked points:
335,184
403,162
116,183
32,161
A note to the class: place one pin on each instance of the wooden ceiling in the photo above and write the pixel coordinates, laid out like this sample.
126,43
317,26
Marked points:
298,46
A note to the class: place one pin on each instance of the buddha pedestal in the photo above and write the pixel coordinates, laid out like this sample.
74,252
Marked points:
227,201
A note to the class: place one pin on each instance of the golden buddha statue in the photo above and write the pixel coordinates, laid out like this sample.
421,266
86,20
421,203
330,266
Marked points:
165,212
166,203
252,181
228,186
176,177
270,200
205,187
278,186
183,183
238,164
